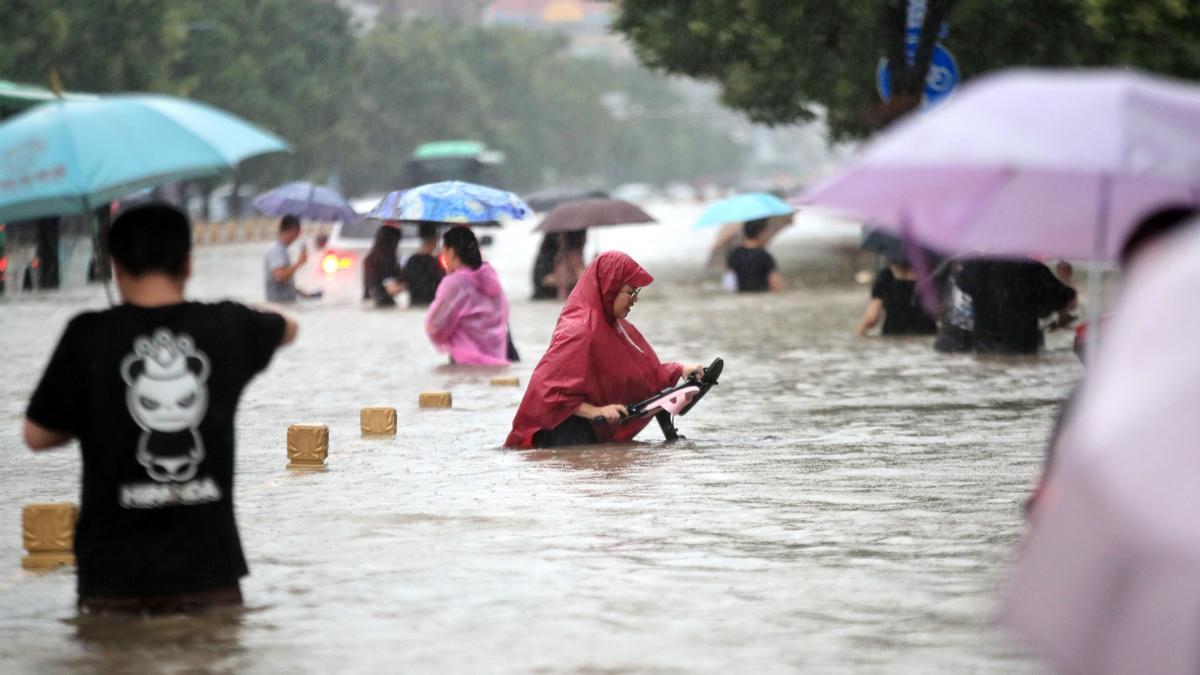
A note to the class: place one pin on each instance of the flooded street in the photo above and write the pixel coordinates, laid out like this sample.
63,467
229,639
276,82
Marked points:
840,504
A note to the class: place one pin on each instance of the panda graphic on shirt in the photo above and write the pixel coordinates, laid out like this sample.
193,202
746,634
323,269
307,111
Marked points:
167,396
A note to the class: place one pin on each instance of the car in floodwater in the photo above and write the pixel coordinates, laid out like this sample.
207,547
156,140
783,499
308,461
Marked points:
335,259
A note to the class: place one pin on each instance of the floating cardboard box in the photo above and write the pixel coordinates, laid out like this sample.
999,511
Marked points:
307,446
506,382
49,535
378,421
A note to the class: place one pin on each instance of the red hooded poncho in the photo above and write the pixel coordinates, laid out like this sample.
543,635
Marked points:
593,357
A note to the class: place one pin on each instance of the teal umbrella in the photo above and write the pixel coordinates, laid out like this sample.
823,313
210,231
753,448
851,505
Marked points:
70,156
740,208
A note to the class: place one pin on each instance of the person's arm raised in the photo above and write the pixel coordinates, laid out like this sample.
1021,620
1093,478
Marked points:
283,273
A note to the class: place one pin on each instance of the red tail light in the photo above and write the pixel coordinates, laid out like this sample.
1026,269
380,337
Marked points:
335,261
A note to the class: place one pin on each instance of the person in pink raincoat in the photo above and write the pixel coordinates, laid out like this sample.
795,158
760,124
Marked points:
469,316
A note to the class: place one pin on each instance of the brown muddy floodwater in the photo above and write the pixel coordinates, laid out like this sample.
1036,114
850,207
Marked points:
839,505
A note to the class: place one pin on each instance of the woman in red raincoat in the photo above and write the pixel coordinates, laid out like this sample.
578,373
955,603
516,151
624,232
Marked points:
597,361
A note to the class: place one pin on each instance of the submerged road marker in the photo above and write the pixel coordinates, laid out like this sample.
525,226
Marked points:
48,531
307,446
378,421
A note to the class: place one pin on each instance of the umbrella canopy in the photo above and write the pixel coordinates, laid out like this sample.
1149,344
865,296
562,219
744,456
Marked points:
1108,580
452,202
740,208
1061,163
546,200
67,157
306,200
580,215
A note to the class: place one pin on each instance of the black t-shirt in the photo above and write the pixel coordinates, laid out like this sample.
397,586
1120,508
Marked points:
902,309
1008,298
753,267
150,392
423,273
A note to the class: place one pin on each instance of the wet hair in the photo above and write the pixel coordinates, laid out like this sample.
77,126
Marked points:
466,247
576,239
383,248
752,229
152,237
289,222
1158,223
427,230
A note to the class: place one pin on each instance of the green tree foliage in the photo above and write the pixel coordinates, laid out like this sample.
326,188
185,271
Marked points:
99,45
1158,35
356,106
521,93
284,64
783,62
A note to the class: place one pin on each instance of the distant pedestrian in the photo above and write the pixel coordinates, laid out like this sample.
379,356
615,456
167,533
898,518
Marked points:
280,271
423,271
894,300
1008,297
753,268
569,263
150,389
543,268
469,316
382,278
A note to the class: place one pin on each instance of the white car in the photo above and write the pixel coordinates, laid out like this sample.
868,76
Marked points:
335,261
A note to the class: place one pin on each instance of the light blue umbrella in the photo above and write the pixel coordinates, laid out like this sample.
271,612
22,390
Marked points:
68,157
450,202
306,200
740,208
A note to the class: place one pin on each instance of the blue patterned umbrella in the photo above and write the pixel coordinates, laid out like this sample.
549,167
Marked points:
450,202
305,200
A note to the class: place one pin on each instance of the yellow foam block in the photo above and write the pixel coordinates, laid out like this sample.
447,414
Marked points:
49,535
307,445
378,421
436,399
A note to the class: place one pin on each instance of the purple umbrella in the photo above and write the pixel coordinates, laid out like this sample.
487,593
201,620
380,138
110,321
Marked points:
306,200
585,213
1109,579
1055,163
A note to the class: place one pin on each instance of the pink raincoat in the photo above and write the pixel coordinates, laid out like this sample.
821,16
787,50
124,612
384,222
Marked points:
469,317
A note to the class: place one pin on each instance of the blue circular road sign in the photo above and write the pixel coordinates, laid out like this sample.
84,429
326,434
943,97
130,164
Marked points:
941,80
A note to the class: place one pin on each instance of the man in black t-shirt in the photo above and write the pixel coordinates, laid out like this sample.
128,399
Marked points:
150,388
423,271
751,265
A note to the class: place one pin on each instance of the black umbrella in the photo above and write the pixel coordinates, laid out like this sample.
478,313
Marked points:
587,213
546,200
